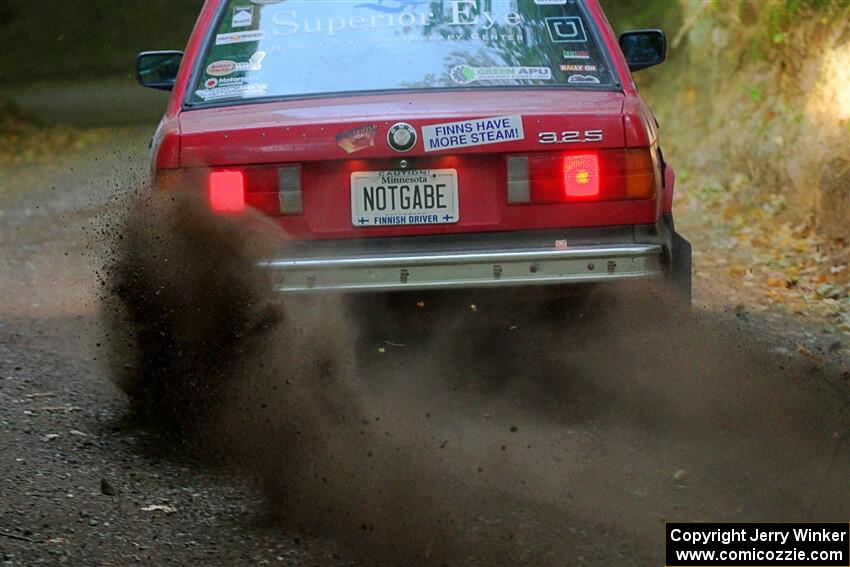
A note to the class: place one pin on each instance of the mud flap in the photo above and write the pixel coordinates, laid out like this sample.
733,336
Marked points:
680,270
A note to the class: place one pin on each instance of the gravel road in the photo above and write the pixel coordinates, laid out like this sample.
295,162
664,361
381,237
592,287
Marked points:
555,438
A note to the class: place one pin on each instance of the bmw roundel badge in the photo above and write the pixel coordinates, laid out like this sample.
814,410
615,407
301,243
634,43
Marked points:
402,137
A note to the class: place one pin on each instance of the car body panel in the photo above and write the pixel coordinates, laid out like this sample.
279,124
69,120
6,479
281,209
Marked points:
306,129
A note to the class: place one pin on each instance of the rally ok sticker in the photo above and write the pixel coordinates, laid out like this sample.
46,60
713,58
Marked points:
472,133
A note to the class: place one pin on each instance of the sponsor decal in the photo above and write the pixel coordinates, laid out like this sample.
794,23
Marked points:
472,133
224,81
464,74
226,67
575,67
243,16
232,91
583,80
573,54
254,62
402,137
566,29
211,83
357,139
239,37
221,68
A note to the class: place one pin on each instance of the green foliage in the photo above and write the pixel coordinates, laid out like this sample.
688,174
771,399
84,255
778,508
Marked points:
776,20
638,14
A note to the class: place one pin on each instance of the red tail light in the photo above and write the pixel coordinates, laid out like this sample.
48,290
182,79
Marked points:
227,191
582,176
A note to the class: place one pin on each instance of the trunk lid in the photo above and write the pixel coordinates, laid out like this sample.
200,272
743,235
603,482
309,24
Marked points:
334,138
305,130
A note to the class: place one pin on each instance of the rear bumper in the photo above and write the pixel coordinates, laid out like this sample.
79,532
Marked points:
467,269
481,260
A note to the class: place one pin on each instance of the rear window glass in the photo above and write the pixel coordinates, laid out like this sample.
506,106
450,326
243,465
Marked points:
279,48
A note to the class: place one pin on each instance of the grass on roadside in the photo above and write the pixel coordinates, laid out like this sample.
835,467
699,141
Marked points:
23,141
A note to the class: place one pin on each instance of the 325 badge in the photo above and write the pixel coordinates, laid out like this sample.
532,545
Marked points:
570,137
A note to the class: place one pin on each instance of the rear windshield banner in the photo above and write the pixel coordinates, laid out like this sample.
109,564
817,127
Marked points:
309,47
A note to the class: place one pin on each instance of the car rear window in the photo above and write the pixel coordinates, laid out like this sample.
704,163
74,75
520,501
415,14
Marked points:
282,48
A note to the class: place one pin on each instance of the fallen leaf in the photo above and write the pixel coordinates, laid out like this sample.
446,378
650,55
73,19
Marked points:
160,508
810,355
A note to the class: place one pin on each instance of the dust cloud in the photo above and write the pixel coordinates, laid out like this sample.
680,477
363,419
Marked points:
466,428
207,351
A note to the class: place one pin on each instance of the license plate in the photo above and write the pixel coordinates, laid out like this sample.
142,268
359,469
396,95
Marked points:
393,198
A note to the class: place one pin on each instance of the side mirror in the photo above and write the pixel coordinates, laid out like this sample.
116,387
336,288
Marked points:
158,69
643,48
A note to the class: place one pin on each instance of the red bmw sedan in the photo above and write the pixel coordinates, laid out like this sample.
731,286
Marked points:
413,145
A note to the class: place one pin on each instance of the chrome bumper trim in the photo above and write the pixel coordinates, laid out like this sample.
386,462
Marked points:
468,269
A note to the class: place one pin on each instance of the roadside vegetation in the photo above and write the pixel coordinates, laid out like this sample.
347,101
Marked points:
23,141
755,114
